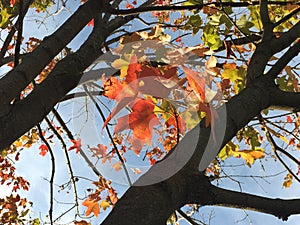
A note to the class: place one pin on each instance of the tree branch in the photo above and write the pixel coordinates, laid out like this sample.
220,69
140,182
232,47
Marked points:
286,39
17,79
281,208
283,61
285,100
192,7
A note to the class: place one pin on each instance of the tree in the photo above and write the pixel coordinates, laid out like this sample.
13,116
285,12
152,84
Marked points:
248,59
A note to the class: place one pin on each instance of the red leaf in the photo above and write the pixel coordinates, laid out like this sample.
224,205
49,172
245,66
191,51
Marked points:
91,23
43,149
76,145
141,121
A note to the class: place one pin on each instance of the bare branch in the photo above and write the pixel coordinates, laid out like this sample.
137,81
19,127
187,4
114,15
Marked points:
52,172
191,7
280,208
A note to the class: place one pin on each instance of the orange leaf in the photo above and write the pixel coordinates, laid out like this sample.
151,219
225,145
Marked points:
76,145
177,123
12,2
43,149
117,166
196,82
112,88
92,207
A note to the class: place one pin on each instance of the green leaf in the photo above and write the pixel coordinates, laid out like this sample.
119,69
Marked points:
194,23
211,37
193,2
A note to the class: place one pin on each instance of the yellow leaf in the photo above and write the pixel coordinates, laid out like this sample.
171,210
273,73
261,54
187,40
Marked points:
104,204
122,65
284,139
288,180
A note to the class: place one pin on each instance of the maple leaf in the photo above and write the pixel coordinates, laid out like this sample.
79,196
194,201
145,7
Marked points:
177,123
196,82
43,149
117,166
92,207
138,79
12,2
91,23
136,170
104,204
289,119
100,150
288,180
81,222
141,121
76,145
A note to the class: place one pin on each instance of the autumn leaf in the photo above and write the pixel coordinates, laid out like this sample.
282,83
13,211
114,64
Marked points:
289,119
12,2
141,121
136,170
92,207
139,79
100,150
43,149
76,145
288,180
104,204
81,222
91,23
176,122
196,82
117,166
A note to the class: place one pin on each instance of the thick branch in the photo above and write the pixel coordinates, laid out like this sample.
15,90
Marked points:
286,100
280,208
284,60
17,79
286,39
64,77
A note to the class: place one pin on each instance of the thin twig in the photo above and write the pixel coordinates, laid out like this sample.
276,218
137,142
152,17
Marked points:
71,137
187,218
276,148
287,17
68,163
52,172
109,134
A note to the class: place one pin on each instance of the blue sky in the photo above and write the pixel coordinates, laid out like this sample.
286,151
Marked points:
37,169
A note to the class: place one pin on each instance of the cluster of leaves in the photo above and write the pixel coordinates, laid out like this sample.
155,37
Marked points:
104,196
10,9
13,208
